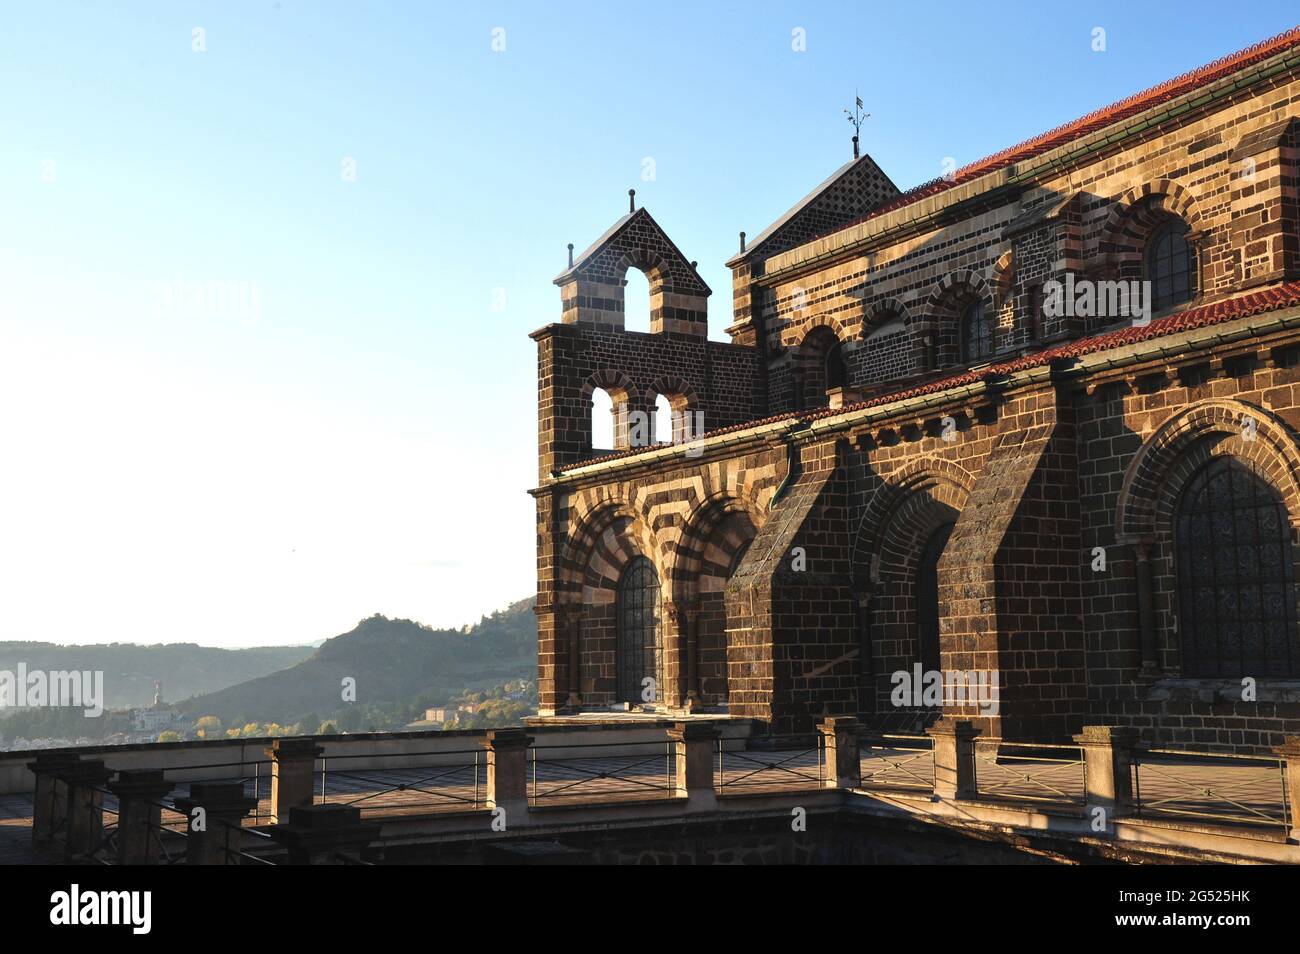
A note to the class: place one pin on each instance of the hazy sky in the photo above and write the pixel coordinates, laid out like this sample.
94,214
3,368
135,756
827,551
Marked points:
264,305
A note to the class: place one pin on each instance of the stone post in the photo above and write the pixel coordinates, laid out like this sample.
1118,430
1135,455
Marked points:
1289,752
694,697
1107,772
139,816
568,618
694,746
954,757
214,813
293,772
85,805
843,761
683,691
507,773
50,803
315,834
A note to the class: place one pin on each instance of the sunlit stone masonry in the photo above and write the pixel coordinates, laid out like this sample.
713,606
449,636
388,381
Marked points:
1034,422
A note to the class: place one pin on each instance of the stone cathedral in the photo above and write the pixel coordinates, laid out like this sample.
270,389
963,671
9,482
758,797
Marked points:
1038,419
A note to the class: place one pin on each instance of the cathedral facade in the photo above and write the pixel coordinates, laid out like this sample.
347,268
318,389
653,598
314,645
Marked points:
1033,426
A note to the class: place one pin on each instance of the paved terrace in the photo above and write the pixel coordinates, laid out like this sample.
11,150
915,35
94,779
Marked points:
420,778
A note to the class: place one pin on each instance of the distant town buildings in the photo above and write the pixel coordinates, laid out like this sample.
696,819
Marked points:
156,718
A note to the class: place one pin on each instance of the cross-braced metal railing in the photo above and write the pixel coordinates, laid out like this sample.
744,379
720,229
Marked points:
1247,789
60,804
602,770
249,771
169,833
776,770
236,854
897,761
105,850
448,780
1031,771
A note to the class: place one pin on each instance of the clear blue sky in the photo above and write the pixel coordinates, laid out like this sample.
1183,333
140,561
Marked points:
352,428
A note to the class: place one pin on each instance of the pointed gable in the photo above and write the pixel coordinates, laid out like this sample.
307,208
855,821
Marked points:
591,289
852,191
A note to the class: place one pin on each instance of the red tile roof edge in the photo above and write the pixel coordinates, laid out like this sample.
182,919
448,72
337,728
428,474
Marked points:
1245,306
1084,125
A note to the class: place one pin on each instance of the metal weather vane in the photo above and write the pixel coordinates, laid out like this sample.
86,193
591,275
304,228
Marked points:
857,118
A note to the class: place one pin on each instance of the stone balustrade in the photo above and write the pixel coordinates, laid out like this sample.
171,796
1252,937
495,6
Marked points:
69,792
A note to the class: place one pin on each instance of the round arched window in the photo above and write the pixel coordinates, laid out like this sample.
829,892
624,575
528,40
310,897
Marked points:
1236,579
1170,266
976,332
640,640
837,373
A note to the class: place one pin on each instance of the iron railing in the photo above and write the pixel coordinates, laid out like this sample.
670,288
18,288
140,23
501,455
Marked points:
1242,789
236,854
450,780
897,761
169,834
249,772
105,850
1031,771
771,771
603,771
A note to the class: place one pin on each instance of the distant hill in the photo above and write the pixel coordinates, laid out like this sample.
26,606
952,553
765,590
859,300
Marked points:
392,660
185,669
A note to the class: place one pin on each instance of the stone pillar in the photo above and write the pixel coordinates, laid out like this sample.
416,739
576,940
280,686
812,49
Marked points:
694,698
843,761
214,813
84,781
139,816
50,803
954,757
684,689
507,773
315,834
672,691
694,747
293,774
569,619
1107,770
1146,608
1289,752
